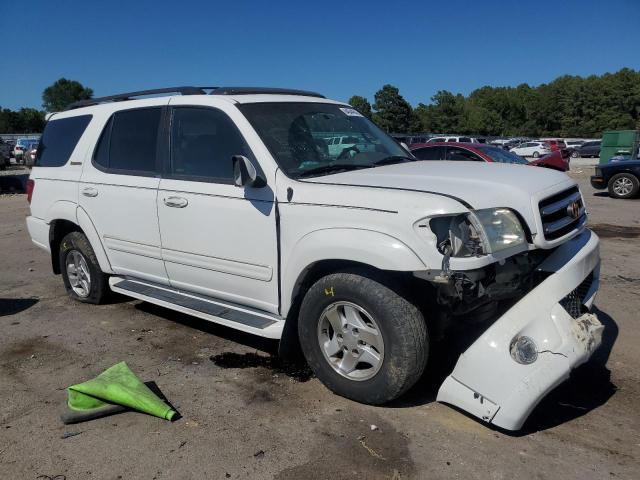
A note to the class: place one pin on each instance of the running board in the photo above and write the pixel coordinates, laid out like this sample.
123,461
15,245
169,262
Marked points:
218,311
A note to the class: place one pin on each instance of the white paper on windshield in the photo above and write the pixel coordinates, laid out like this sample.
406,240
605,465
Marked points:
351,112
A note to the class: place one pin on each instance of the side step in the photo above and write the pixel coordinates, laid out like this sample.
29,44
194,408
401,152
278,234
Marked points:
218,311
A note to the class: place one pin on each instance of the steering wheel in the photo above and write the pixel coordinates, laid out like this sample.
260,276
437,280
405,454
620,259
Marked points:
346,152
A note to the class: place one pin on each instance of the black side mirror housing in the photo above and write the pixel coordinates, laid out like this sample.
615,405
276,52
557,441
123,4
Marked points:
245,174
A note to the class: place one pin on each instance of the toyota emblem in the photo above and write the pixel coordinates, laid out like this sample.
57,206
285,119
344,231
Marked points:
573,210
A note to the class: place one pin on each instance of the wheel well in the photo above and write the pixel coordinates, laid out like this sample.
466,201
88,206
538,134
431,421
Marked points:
289,347
57,231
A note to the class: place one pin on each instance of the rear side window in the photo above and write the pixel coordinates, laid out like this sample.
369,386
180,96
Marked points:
59,139
203,141
433,153
454,153
464,140
129,142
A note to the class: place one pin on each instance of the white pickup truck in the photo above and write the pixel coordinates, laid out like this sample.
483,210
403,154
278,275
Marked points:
225,204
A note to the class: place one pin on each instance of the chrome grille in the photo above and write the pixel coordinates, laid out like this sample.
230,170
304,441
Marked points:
562,213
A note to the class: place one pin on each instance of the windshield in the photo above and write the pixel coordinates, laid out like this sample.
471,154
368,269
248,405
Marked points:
321,138
502,156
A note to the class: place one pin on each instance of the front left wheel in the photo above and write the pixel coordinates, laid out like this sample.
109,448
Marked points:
81,273
362,339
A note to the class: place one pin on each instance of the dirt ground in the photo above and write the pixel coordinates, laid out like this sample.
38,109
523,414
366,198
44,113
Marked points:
245,415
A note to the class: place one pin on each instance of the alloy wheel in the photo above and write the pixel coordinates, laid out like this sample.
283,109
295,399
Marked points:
351,341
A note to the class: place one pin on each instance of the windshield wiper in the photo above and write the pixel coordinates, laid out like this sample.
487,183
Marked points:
332,168
393,159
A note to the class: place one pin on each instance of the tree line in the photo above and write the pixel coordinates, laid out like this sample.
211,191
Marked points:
55,98
569,106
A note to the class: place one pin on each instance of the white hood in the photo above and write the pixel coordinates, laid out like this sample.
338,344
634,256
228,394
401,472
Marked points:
477,184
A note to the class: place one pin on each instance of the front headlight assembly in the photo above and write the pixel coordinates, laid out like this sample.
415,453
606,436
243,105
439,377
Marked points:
479,232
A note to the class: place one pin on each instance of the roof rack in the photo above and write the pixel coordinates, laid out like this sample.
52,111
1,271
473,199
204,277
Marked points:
262,91
193,91
142,93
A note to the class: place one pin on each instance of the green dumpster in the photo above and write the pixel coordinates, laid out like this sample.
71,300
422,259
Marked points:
619,142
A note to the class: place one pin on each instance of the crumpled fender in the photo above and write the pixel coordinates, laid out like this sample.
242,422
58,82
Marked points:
368,247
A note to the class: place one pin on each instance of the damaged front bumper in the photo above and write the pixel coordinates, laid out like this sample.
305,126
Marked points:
488,383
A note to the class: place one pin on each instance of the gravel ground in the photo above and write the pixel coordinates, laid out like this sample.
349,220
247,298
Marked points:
245,415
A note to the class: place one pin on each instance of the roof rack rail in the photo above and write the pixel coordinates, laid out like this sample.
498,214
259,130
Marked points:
131,95
262,90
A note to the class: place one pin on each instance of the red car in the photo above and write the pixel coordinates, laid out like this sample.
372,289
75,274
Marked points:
484,153
556,144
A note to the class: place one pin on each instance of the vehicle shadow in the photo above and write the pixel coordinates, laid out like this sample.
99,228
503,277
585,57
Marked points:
13,183
601,194
265,345
588,387
11,306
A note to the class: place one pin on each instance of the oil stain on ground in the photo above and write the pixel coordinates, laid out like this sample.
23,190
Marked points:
347,448
298,371
605,230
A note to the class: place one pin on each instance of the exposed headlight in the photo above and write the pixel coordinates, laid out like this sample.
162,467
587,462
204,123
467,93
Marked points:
523,350
478,232
501,228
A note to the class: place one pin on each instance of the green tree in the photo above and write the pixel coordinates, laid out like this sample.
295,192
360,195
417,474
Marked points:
56,97
32,120
362,105
393,113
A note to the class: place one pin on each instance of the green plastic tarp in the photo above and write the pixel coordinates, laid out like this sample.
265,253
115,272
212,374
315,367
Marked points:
114,390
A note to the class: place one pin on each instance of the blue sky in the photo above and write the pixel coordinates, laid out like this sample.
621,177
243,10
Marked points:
339,48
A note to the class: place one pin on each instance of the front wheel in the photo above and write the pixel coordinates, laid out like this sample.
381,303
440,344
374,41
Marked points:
574,154
363,340
81,273
536,154
623,185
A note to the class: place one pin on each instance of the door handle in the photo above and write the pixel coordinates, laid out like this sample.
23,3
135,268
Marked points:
90,192
176,202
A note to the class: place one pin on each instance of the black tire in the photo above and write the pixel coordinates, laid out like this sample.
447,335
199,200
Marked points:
627,177
99,284
536,154
403,329
574,154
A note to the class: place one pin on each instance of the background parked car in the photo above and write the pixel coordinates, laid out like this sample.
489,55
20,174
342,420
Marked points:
622,179
589,149
22,145
482,153
573,146
29,157
532,149
554,143
453,139
5,154
558,160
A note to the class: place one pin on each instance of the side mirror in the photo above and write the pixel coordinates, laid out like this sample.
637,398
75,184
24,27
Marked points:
245,174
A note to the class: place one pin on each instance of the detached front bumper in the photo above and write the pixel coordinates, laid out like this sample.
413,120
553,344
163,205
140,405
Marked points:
488,383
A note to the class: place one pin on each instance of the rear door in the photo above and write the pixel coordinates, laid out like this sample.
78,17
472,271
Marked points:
118,191
217,239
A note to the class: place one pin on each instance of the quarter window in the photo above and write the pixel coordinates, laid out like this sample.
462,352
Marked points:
59,139
203,142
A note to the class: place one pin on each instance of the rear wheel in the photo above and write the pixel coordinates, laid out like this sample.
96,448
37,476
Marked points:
81,273
623,185
536,154
363,340
574,154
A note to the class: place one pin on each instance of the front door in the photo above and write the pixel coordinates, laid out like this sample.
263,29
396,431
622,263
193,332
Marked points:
118,192
217,239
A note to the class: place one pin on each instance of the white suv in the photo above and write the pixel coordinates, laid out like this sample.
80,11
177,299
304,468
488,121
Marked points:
230,206
532,149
